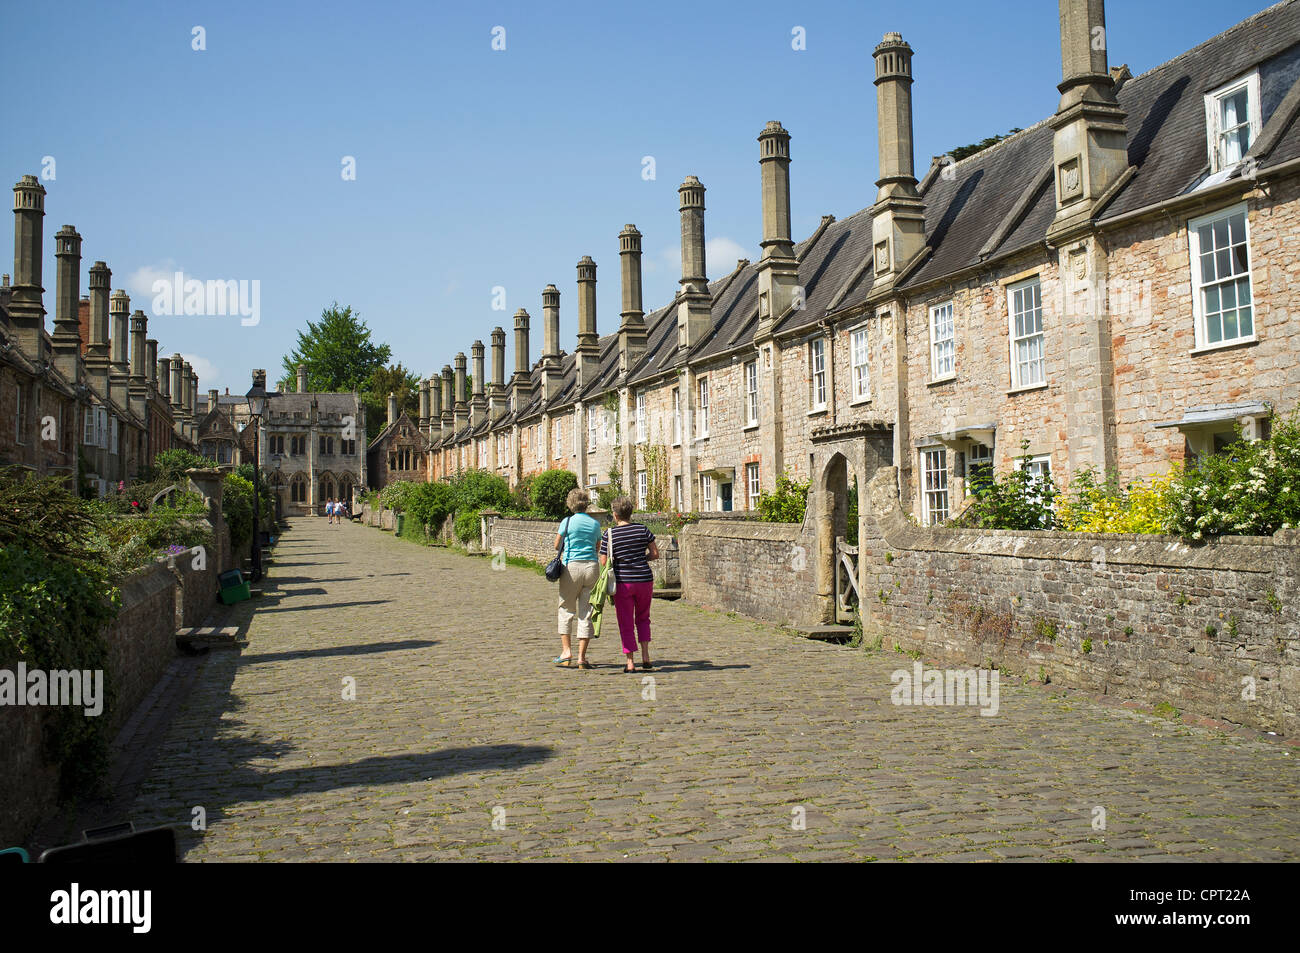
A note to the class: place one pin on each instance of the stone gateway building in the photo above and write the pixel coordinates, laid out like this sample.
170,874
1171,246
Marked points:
1111,288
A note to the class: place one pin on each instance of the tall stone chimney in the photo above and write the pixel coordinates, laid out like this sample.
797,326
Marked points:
1090,139
214,399
392,408
434,385
898,217
550,327
694,307
119,307
151,363
178,389
462,405
497,390
138,385
478,404
631,329
587,353
778,271
165,378
189,381
97,348
26,307
67,303
448,402
423,422
302,378
521,384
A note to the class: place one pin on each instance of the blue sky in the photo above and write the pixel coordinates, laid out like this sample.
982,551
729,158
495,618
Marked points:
478,168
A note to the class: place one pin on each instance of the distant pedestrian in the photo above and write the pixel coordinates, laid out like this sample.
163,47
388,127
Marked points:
631,544
576,542
329,511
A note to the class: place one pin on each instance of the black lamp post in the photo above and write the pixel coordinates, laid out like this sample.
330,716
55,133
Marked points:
258,397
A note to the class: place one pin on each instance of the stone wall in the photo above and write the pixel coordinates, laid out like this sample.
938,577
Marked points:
1146,618
141,644
763,570
535,540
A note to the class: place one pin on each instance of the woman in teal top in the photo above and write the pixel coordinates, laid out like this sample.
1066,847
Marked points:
576,541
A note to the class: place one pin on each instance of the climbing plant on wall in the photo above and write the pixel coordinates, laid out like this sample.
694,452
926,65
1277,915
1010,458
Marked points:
654,459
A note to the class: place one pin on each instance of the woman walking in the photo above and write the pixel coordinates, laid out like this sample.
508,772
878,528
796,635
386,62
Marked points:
575,541
630,544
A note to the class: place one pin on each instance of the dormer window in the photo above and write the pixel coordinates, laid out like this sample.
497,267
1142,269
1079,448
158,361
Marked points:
1232,121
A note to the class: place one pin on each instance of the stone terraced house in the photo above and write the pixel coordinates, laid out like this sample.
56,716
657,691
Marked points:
1111,288
91,402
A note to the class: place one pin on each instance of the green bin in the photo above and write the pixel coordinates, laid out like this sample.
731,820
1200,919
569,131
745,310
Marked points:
233,594
399,523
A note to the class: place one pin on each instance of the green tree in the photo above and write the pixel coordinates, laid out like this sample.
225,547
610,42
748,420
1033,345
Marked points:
337,351
394,379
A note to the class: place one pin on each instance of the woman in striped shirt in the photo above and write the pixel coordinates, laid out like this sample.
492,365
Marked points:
630,544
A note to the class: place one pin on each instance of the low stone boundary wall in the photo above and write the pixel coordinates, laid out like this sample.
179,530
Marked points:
764,570
1209,629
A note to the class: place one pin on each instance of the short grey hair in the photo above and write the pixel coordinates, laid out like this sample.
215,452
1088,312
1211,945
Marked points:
622,507
578,500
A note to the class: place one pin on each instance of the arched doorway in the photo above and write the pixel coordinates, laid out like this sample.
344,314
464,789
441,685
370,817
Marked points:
837,559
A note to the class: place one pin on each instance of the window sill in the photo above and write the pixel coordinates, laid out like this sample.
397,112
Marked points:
1030,387
749,427
817,411
860,401
946,379
1225,345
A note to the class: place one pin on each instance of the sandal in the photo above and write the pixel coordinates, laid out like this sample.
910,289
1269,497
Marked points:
630,671
647,667
585,664
563,661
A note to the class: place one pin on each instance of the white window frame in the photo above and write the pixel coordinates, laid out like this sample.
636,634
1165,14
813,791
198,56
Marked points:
591,427
1017,381
943,341
702,411
1040,465
751,481
640,417
817,374
751,393
677,416
537,441
706,493
113,445
642,489
1199,286
1215,134
677,492
934,463
861,363
88,429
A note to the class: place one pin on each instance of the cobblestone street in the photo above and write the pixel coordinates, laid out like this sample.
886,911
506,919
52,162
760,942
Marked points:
460,721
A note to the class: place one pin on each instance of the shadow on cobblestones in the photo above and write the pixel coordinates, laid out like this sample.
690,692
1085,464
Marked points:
337,650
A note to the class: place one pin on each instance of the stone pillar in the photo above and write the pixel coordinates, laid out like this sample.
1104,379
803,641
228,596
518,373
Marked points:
423,422
67,303
462,405
694,308
1089,136
448,402
434,385
478,405
632,329
151,362
550,327
165,378
587,353
97,349
119,307
497,389
392,408
302,378
898,217
138,385
26,308
521,384
778,271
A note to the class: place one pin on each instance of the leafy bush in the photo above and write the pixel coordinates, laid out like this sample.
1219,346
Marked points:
56,596
430,504
172,464
1018,500
606,495
786,503
1107,507
549,490
396,496
479,489
467,526
1252,488
521,496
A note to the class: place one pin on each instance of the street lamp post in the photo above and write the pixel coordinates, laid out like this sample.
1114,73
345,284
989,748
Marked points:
258,397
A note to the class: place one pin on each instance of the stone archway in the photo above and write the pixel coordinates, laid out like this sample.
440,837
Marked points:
841,457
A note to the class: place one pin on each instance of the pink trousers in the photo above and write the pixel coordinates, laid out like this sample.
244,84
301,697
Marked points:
632,603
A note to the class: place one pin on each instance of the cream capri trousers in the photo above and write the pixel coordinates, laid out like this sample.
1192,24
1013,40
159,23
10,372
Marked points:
576,582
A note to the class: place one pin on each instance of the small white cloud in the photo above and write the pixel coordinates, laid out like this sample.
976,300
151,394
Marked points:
139,284
206,370
721,255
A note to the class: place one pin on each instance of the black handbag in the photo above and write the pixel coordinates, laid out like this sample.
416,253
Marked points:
555,568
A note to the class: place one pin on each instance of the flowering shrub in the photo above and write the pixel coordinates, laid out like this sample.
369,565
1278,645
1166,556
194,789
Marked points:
1143,506
787,502
1250,489
1018,500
